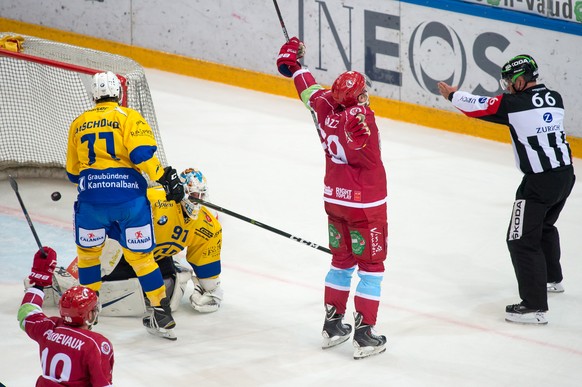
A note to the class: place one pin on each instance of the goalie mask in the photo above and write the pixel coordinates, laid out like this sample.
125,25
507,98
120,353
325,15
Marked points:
79,306
195,187
106,85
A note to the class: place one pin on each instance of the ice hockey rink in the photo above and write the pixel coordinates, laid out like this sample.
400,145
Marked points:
448,274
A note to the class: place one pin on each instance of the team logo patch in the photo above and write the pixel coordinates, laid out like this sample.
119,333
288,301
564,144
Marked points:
139,238
105,348
358,242
82,184
334,236
91,238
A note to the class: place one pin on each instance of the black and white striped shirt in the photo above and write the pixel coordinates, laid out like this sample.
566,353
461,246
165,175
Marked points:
535,118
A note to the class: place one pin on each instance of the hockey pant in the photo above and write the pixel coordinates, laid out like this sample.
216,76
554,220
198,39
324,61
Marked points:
133,219
357,239
532,238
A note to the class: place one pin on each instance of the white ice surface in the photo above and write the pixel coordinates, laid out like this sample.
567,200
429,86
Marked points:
447,282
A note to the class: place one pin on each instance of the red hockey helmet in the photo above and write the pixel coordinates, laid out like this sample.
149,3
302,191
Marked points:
79,305
348,87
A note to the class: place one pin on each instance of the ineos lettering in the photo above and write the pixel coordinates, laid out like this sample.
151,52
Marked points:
423,39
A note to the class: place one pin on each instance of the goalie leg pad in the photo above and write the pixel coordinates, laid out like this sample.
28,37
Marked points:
183,275
207,295
122,298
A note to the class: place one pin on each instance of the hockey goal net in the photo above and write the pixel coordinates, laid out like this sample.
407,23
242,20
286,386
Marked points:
44,86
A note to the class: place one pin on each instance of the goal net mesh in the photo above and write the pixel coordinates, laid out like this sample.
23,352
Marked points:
44,90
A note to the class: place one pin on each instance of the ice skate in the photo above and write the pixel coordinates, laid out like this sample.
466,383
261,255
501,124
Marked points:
555,287
160,322
334,331
520,314
366,342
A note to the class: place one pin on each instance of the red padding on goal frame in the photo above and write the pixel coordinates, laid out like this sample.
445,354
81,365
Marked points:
65,66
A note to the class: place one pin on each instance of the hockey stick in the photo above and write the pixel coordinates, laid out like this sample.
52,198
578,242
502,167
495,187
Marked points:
14,186
266,227
313,117
281,20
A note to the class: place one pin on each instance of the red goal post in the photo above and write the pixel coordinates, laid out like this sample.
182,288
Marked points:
43,88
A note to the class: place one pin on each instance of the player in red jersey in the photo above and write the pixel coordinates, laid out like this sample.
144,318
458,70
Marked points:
355,198
70,353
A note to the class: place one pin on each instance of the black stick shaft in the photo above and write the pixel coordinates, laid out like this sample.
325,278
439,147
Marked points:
314,118
14,186
281,20
265,226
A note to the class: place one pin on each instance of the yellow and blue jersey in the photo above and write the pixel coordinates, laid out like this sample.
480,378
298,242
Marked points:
174,232
109,147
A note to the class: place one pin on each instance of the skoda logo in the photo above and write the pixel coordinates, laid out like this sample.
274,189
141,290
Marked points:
548,117
430,37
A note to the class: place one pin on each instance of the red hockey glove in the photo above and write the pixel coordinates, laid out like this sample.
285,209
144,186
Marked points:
43,267
289,53
172,185
357,131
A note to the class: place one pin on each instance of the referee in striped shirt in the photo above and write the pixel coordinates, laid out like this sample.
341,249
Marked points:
535,117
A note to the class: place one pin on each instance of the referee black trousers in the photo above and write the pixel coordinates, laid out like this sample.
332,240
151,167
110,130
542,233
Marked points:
532,237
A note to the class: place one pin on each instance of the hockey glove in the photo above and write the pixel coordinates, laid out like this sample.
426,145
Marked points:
289,53
43,267
357,131
172,185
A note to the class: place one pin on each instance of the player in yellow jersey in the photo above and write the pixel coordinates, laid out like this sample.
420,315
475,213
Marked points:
109,147
187,227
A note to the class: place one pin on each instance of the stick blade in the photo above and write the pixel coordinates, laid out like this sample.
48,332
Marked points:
13,183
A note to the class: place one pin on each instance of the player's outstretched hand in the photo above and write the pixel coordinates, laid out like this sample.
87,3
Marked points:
43,267
289,53
357,131
172,185
446,89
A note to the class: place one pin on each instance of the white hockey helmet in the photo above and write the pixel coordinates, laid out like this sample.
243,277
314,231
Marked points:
195,187
106,85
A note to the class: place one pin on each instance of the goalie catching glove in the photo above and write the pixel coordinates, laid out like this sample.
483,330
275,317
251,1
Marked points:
172,185
43,267
289,53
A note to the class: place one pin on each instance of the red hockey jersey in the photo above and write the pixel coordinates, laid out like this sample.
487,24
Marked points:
69,356
354,173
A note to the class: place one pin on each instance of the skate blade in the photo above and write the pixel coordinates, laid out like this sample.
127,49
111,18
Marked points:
330,342
163,333
527,322
364,352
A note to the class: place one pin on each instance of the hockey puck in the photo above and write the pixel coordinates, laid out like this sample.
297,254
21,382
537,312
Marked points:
56,196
